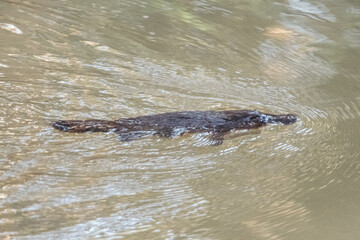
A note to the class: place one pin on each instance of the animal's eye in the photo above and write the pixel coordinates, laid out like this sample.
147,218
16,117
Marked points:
253,117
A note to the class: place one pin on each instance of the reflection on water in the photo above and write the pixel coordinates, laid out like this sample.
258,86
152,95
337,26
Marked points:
107,60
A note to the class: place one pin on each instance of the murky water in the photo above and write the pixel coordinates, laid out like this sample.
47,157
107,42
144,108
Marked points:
113,59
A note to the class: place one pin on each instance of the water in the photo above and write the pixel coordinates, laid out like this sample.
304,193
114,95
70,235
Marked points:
113,59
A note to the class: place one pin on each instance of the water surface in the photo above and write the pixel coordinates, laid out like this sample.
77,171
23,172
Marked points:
114,59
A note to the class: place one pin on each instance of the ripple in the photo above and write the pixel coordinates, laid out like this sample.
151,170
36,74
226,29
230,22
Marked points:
317,11
10,27
119,59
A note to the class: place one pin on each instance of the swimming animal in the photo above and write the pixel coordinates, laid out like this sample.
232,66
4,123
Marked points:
173,124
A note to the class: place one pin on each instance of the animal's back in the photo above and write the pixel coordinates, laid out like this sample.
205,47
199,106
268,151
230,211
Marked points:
187,119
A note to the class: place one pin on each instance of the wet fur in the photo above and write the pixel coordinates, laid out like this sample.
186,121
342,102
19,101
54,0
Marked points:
174,124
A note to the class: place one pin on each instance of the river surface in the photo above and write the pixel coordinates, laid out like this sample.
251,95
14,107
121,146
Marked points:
114,59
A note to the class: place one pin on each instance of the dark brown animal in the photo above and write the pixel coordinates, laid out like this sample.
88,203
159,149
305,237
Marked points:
173,124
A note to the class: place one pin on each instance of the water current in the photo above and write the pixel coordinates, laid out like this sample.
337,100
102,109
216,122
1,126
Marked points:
114,59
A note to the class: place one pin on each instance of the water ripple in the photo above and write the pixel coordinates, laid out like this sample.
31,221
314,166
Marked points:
115,59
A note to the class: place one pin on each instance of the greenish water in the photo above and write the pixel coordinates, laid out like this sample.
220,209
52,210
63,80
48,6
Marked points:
113,59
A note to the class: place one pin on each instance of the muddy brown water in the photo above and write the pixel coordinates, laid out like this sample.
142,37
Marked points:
113,59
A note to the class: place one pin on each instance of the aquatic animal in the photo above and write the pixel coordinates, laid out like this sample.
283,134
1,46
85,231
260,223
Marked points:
173,124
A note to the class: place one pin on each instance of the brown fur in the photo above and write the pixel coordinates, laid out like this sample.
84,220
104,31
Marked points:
173,124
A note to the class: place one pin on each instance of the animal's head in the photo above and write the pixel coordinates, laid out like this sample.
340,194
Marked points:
245,119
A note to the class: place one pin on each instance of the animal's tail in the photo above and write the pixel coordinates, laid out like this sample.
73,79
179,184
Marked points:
284,119
85,125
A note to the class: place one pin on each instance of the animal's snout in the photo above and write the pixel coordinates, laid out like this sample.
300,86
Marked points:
284,119
289,119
